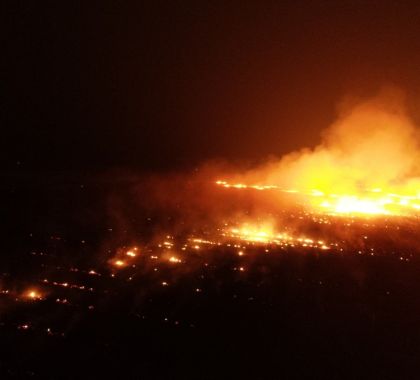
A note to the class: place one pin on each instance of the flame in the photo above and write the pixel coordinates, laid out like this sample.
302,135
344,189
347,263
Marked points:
266,234
367,202
352,204
368,162
244,186
131,253
33,294
260,234
123,258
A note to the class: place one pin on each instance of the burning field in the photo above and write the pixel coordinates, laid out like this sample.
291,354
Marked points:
307,265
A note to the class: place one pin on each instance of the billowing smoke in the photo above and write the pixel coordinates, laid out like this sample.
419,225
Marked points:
372,145
366,163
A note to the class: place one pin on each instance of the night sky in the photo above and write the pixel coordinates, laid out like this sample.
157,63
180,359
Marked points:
152,85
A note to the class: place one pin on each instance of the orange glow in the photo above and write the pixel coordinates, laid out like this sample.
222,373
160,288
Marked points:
244,186
367,202
265,233
262,234
368,162
33,294
131,253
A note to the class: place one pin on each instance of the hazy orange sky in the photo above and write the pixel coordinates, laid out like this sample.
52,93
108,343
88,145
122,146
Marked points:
163,85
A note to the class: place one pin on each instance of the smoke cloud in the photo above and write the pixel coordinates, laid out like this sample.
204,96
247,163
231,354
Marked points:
373,144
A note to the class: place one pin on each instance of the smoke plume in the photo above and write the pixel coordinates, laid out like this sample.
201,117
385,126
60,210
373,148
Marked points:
373,144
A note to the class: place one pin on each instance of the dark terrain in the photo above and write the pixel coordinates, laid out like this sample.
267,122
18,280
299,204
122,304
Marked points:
293,313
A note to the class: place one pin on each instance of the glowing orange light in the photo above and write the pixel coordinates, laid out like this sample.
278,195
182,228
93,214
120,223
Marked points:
369,202
365,164
33,294
265,234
